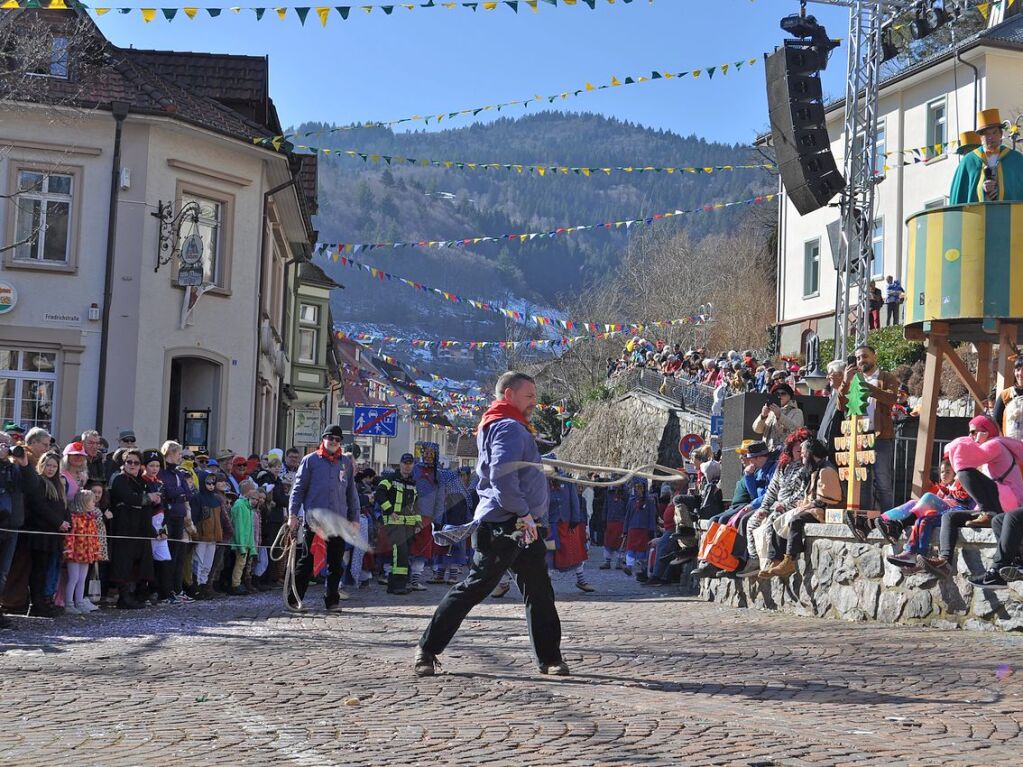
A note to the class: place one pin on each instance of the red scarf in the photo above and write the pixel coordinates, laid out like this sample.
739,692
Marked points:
499,410
332,457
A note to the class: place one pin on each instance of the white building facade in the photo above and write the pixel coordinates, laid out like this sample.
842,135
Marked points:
925,106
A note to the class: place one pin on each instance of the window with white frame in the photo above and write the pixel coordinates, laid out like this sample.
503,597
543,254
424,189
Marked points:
937,131
210,228
877,243
28,380
42,217
308,333
54,65
811,268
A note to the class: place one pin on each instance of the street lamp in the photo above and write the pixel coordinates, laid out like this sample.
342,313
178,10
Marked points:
815,378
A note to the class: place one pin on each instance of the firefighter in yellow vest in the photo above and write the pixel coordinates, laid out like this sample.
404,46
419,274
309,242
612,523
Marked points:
397,497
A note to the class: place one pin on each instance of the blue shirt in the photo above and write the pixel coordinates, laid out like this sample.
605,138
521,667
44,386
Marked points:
324,484
508,492
756,483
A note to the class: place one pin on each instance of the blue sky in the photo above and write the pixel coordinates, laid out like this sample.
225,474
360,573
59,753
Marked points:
379,67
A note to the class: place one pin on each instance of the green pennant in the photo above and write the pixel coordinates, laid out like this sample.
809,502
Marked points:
343,10
474,6
387,9
738,64
591,3
214,12
302,13
513,4
629,81
551,2
33,4
259,13
655,75
710,72
169,13
387,159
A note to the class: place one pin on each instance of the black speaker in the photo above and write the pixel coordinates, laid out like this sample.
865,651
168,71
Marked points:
799,127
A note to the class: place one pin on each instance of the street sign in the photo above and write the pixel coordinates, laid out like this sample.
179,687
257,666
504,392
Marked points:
717,425
688,444
190,276
375,421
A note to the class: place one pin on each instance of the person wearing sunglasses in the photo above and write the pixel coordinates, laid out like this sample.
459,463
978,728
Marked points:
131,561
325,480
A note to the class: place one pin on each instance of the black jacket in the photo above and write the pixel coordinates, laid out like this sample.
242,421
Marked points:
42,513
130,560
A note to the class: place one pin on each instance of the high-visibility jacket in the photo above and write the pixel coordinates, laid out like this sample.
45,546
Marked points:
398,496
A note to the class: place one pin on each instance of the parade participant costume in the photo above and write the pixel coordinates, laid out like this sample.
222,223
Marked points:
565,515
460,501
640,528
998,458
429,505
397,498
1004,167
614,526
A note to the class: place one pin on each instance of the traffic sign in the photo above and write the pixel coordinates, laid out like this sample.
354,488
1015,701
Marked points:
375,421
688,444
717,425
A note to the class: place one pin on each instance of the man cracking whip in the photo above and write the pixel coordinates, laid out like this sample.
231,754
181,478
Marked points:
508,531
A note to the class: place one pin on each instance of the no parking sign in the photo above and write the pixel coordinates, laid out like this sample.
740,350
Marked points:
688,444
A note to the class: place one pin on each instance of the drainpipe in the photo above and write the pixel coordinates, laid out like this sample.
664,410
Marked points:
976,85
259,303
120,112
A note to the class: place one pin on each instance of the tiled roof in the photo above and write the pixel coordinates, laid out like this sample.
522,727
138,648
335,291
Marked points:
311,274
308,175
219,76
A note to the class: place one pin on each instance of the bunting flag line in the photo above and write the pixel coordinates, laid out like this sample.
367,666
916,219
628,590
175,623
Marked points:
341,248
277,142
322,12
539,320
540,170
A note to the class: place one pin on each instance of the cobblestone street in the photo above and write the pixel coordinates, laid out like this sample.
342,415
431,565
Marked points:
657,679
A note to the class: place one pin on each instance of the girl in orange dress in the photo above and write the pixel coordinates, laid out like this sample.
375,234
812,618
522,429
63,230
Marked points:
81,549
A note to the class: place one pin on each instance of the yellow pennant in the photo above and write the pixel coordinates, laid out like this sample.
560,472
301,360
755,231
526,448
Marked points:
323,12
57,5
99,11
148,14
614,81
190,12
281,13
489,6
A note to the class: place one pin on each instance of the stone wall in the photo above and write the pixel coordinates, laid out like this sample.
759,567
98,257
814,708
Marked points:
839,577
632,430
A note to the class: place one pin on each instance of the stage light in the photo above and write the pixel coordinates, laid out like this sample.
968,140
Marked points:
889,50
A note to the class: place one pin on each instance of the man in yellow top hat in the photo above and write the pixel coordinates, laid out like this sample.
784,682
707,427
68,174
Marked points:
991,172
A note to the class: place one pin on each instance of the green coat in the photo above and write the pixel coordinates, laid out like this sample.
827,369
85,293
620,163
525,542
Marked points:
244,535
967,184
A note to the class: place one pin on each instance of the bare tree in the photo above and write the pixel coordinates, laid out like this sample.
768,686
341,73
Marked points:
47,60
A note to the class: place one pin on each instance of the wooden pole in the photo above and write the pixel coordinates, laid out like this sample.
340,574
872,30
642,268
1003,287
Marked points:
923,460
984,363
852,499
1007,338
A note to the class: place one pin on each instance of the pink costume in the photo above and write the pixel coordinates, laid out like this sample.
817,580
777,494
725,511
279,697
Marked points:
1000,458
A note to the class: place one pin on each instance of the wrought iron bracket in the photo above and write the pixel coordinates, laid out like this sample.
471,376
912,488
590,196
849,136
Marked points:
169,246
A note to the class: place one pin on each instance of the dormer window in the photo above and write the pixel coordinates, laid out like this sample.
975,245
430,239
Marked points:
58,64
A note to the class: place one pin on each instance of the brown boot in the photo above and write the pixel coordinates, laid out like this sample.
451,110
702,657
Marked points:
768,572
981,520
786,568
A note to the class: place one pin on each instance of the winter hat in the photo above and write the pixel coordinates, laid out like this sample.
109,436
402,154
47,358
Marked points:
75,448
983,423
333,431
148,456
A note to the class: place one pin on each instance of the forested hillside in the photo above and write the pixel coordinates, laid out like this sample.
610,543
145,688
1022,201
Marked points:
377,202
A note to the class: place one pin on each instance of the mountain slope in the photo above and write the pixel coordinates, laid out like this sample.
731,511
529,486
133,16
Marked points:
366,202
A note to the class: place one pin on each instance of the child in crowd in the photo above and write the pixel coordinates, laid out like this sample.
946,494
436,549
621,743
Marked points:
81,549
244,543
152,463
923,516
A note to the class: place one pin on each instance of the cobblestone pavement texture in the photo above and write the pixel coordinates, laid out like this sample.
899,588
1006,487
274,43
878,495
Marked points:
656,679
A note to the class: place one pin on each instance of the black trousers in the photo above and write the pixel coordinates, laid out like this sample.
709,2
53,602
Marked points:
794,544
335,566
982,489
1008,529
399,536
495,552
893,313
39,566
950,523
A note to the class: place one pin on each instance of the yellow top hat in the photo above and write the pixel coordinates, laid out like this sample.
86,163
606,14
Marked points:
742,449
989,118
968,141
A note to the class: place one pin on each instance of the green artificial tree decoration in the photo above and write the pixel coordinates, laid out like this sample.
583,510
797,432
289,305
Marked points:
857,396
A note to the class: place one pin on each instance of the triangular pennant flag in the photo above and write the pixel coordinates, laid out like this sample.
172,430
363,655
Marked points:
214,12
281,12
343,10
148,14
302,13
323,12
259,13
710,72
169,13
